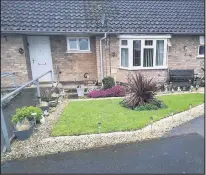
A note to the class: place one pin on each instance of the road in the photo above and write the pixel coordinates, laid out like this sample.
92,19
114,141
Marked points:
180,151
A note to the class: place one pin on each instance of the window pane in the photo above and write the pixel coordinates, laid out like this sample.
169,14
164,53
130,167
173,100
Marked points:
137,53
124,57
124,42
148,42
159,52
73,43
83,44
202,40
201,50
148,58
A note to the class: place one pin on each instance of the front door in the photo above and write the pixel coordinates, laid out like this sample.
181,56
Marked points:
40,56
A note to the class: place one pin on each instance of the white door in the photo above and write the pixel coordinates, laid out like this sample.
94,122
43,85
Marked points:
40,56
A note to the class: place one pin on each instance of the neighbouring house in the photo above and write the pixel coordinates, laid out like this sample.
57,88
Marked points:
101,38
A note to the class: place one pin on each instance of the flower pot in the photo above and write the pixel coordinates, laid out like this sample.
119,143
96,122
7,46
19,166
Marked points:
80,92
25,134
44,106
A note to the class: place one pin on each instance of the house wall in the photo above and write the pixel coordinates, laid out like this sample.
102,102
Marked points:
179,57
73,65
12,60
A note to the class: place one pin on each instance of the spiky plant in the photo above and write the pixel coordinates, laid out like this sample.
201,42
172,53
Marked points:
141,90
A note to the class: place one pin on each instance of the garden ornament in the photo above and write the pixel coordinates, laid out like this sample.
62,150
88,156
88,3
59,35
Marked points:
42,120
166,88
178,89
191,88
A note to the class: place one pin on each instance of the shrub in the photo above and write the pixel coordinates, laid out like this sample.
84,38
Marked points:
115,91
25,112
108,82
141,90
154,105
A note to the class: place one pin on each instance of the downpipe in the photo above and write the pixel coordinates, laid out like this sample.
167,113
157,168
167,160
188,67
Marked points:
101,57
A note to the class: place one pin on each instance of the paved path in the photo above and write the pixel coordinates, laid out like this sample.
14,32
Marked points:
173,154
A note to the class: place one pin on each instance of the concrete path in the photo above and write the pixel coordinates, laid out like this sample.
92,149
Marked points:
172,154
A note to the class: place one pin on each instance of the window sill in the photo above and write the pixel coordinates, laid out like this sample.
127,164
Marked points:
79,52
200,56
144,68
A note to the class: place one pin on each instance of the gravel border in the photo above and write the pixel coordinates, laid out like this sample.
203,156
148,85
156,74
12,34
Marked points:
41,143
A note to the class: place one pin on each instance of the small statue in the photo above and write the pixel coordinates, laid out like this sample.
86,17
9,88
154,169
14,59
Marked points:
179,89
166,88
191,88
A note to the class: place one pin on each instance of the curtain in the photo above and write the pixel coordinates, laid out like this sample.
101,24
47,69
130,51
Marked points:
159,52
148,57
124,57
137,53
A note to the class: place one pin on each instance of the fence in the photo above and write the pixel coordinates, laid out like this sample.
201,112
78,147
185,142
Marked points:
6,113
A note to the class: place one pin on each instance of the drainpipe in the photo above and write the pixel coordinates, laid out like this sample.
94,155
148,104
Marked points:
101,56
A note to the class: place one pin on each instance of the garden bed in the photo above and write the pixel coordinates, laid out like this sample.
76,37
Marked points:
82,117
42,143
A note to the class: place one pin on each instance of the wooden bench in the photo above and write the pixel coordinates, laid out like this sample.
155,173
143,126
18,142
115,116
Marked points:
181,77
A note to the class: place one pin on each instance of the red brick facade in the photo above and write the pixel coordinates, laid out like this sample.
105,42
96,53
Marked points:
181,55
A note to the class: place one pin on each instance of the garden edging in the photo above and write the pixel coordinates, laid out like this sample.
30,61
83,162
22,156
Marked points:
42,143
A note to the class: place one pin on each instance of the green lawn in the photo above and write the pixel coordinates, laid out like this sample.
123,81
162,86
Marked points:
82,117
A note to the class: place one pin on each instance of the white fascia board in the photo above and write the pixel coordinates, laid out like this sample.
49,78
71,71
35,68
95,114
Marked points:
144,36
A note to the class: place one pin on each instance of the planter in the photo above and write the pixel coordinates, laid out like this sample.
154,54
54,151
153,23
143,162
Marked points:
80,92
44,106
23,135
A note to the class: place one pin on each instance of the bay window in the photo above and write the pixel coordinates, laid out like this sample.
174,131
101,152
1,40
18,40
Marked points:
143,52
124,53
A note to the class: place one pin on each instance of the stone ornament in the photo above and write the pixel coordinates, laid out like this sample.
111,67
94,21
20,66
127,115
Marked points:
179,89
166,88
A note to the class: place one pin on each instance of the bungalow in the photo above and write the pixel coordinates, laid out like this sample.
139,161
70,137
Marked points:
100,38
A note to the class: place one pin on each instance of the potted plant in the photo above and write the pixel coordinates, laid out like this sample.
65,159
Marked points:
80,91
24,129
24,121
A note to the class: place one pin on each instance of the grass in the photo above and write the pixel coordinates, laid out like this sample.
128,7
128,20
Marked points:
82,117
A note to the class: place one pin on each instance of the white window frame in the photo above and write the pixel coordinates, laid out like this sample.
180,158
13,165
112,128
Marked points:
69,50
127,47
131,38
202,43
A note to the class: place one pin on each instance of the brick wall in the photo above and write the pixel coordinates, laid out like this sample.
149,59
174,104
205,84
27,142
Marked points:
179,57
183,54
12,60
73,65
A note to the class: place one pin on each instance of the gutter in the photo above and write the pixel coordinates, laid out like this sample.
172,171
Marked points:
90,32
101,56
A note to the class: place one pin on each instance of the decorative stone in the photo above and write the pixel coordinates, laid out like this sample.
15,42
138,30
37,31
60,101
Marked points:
46,113
42,120
54,96
53,103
